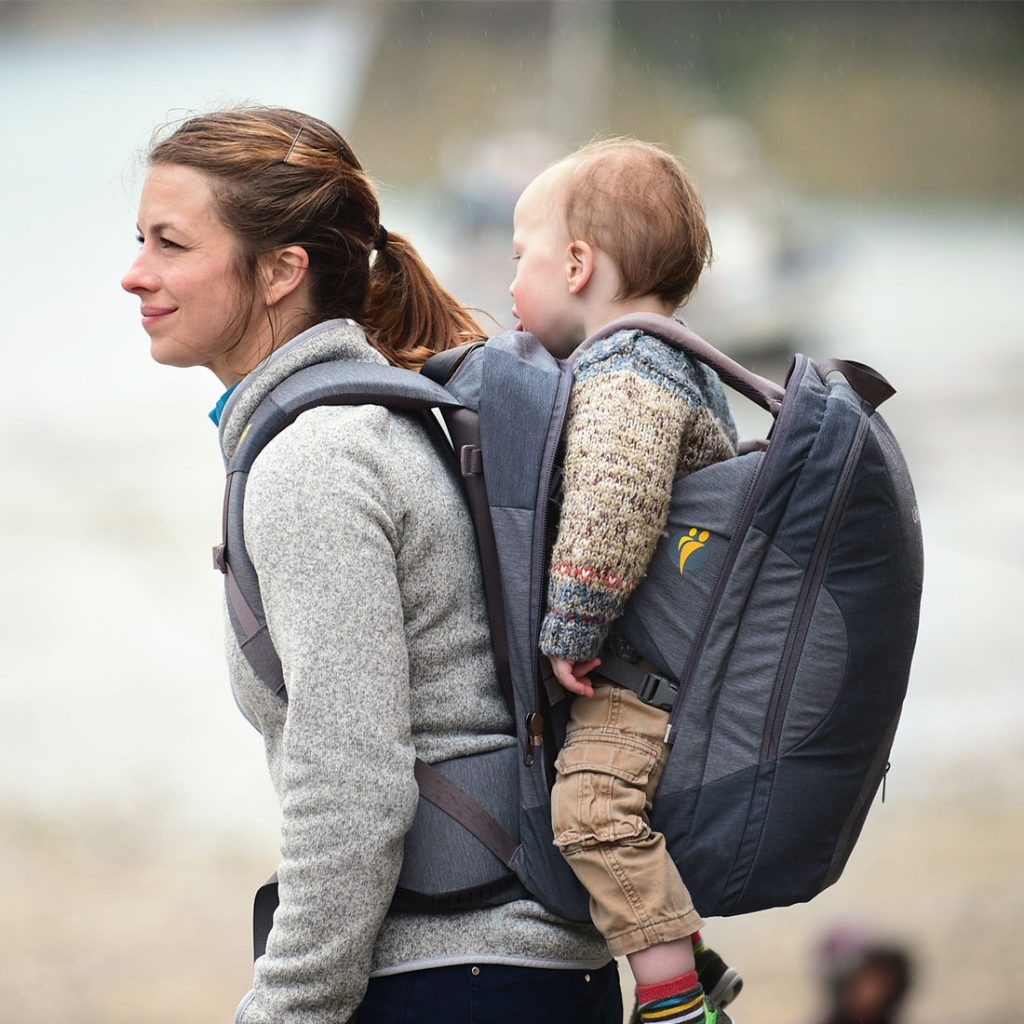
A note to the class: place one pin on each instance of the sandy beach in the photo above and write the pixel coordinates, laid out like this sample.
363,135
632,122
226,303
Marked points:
103,927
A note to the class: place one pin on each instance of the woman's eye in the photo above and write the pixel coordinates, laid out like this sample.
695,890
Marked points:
140,239
166,243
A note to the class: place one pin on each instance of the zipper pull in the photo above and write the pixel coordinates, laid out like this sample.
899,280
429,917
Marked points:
885,775
534,736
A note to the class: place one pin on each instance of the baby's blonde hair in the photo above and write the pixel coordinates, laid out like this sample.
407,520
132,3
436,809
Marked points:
635,201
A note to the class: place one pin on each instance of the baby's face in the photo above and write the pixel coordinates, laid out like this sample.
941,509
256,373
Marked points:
541,300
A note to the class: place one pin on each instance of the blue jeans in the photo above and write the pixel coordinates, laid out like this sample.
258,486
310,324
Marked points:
493,994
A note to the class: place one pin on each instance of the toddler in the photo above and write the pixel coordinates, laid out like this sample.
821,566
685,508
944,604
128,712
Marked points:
617,227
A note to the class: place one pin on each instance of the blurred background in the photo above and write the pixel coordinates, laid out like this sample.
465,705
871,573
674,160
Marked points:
862,168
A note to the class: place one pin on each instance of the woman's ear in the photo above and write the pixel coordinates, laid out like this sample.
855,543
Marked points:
579,266
283,271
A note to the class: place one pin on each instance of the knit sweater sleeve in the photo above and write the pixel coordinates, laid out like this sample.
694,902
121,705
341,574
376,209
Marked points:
322,534
636,415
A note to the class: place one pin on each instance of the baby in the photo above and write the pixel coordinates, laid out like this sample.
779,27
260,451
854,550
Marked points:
615,228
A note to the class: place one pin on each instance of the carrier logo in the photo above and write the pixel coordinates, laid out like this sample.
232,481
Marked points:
692,549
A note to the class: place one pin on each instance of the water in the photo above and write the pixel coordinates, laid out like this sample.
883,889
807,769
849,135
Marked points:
114,692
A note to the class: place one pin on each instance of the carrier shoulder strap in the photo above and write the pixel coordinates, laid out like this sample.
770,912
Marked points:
442,366
866,381
350,383
763,392
332,383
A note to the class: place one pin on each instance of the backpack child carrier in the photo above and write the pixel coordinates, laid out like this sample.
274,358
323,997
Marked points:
777,622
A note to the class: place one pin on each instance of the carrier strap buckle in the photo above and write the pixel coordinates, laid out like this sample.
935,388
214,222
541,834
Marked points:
647,684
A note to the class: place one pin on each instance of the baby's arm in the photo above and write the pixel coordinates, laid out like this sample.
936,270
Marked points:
626,421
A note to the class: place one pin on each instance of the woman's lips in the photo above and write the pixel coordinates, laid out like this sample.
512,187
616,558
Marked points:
154,314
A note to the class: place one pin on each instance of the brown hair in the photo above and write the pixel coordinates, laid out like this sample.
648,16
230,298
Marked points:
279,178
635,201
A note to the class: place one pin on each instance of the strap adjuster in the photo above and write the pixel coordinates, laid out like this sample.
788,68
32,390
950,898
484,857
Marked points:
218,558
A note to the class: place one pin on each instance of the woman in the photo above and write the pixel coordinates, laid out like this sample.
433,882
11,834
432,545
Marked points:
261,249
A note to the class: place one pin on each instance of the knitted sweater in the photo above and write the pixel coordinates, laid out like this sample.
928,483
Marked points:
640,413
369,578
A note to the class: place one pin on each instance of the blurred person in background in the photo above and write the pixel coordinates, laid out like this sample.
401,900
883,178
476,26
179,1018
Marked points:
866,981
262,253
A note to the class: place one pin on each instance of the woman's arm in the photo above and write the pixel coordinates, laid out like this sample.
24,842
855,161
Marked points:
322,534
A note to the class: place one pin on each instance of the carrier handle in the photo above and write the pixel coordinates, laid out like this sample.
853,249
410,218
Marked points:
866,381
761,391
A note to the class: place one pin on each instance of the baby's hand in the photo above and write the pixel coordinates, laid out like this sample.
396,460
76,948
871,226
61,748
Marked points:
575,675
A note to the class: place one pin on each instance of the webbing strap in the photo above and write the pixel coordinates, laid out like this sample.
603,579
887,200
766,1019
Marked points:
447,797
642,678
245,615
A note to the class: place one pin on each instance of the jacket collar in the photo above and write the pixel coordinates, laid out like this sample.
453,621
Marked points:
325,342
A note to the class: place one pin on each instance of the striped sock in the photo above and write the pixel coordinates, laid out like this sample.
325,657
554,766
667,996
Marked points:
678,1001
699,945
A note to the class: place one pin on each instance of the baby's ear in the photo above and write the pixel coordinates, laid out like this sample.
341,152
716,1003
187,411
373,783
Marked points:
579,265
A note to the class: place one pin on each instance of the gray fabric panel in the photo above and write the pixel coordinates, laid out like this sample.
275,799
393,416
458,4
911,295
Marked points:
872,780
465,385
544,871
667,606
516,399
819,474
725,709
755,625
906,501
513,528
820,673
441,855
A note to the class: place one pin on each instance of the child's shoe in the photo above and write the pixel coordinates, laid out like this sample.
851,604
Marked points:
721,982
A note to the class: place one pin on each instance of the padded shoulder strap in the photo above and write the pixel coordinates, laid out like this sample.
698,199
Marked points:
763,392
444,365
332,383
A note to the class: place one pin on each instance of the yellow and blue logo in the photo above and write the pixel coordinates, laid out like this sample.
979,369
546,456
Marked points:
692,548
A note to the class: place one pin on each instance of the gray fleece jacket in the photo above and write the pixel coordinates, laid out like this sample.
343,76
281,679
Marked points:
372,591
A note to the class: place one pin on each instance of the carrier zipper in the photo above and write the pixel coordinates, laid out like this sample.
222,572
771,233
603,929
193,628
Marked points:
750,503
805,604
534,719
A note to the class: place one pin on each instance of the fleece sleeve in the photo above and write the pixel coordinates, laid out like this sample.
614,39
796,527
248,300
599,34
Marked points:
322,534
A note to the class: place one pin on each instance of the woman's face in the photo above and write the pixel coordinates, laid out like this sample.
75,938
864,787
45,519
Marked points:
185,277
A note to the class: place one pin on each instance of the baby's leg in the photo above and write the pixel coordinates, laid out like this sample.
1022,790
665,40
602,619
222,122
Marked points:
607,772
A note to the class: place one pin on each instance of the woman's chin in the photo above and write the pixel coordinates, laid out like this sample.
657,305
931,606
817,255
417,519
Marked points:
167,353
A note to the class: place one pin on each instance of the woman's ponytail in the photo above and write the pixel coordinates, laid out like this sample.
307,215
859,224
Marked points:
408,315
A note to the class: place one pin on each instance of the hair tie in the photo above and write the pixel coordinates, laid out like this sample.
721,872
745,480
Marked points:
382,238
291,148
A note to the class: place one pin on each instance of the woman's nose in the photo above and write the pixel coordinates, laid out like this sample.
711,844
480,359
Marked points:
138,278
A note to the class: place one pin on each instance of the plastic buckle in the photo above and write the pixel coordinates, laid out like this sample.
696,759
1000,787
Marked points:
471,460
218,558
658,691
